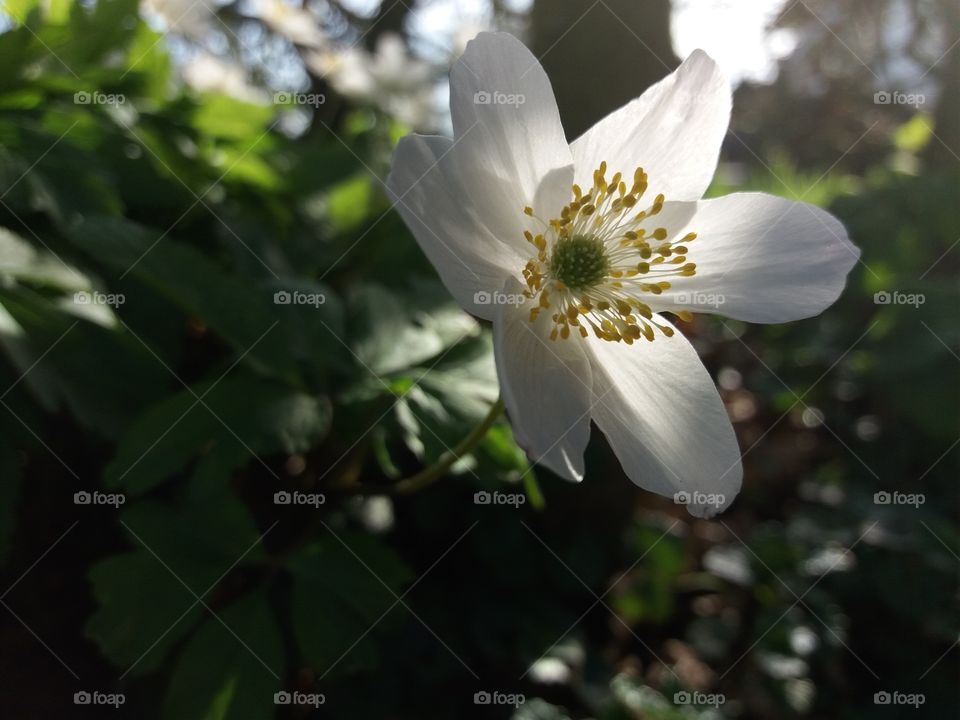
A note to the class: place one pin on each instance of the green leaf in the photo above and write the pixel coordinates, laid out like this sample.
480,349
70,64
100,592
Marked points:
237,309
393,332
239,416
339,590
348,204
230,670
450,399
179,553
143,610
222,116
102,375
20,261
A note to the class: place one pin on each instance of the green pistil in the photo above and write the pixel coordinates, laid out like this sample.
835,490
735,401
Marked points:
579,262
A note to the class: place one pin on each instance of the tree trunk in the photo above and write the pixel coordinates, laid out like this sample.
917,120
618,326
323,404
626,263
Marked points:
600,54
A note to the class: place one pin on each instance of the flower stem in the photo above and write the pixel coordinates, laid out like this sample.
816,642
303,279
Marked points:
434,472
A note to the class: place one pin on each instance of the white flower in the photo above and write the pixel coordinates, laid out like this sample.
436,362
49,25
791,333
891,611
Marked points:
208,73
390,78
191,18
295,23
600,237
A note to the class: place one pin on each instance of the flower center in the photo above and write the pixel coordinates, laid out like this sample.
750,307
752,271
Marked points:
579,262
596,262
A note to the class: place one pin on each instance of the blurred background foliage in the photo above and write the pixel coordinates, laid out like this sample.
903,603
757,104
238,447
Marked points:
198,163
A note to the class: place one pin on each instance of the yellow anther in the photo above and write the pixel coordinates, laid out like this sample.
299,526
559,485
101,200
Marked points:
620,250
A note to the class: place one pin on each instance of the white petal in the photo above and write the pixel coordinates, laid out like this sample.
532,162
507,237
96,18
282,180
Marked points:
515,138
763,259
665,421
545,387
431,197
674,131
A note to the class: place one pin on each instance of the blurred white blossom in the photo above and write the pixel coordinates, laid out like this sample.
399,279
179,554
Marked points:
192,18
390,77
208,73
296,24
